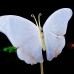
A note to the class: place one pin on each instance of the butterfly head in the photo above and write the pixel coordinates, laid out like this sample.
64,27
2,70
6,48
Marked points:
37,22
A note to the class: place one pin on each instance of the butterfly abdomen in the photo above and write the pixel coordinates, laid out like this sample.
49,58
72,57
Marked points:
42,40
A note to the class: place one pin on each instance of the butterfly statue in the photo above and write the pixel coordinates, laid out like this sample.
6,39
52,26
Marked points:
30,39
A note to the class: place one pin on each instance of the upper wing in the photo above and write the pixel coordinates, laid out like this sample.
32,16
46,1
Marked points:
54,29
57,22
24,35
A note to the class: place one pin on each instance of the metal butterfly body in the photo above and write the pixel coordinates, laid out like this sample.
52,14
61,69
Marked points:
27,37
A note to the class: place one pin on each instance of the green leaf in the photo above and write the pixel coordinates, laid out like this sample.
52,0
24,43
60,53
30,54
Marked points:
9,49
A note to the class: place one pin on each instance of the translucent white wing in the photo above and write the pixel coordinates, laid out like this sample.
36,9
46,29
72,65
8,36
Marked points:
54,29
24,35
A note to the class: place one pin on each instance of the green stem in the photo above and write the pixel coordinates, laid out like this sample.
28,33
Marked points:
41,68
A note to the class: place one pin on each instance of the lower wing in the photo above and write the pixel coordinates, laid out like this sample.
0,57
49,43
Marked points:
54,45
